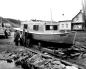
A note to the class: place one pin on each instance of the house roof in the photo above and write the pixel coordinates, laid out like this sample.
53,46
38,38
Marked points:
66,21
80,12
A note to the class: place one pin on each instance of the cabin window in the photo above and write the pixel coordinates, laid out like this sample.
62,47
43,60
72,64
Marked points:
62,25
51,27
47,27
2,24
36,27
25,26
55,27
66,25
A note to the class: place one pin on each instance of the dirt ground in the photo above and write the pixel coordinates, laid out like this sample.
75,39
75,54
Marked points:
7,45
81,41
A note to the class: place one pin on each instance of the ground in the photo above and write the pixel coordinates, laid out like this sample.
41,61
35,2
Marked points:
7,45
80,41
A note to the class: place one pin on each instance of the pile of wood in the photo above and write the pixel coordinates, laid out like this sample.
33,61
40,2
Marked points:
33,60
42,62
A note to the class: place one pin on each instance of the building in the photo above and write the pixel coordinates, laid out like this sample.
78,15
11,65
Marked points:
78,23
65,25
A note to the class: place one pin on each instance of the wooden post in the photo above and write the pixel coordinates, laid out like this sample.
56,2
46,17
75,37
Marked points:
74,37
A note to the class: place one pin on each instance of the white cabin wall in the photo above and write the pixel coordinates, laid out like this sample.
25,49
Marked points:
41,26
63,25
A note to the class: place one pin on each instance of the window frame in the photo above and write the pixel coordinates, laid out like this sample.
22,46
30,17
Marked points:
62,25
36,27
26,26
51,27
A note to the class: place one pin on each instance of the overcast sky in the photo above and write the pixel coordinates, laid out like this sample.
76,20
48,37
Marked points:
40,9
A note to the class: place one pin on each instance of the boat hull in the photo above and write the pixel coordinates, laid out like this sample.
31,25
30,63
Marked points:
67,38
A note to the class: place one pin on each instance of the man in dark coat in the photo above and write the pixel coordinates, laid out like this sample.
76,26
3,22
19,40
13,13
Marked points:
25,37
6,34
16,37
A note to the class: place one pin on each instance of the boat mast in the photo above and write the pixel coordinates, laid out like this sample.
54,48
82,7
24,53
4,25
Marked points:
51,15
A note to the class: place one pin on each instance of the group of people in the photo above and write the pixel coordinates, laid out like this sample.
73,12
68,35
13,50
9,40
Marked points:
20,38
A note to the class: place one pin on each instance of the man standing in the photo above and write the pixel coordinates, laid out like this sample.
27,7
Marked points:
6,34
16,37
21,39
25,37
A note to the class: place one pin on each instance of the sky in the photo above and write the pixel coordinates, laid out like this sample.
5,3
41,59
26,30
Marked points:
56,10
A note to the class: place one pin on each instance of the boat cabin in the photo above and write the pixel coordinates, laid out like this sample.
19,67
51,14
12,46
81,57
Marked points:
41,27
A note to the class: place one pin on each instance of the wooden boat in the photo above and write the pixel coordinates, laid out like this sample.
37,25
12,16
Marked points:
49,32
67,38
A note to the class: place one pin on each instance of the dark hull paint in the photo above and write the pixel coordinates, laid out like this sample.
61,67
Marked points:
55,38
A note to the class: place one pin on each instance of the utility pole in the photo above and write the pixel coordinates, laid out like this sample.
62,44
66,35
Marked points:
84,12
84,7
